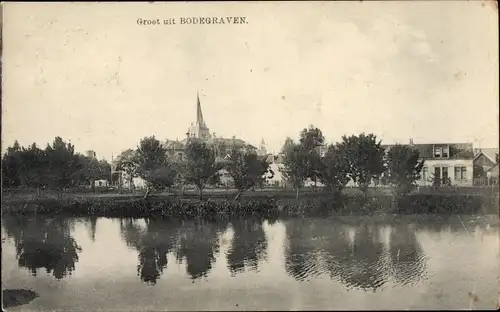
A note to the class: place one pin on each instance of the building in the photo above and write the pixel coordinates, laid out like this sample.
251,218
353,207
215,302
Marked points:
276,165
485,166
90,154
101,183
201,132
485,159
262,151
492,175
491,153
448,163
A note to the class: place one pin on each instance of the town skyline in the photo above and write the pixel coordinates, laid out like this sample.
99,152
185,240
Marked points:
99,80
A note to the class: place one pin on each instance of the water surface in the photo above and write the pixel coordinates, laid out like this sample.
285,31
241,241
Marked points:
295,264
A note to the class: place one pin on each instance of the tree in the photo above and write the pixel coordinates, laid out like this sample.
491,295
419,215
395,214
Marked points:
127,162
312,140
57,166
152,165
365,159
180,168
247,170
221,148
26,166
200,165
287,145
335,174
92,169
295,166
104,169
62,163
438,181
403,169
11,164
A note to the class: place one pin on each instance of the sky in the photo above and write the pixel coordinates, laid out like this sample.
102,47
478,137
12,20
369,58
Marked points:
89,73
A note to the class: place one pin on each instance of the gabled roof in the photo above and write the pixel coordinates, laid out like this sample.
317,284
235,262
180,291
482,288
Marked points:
490,153
230,141
457,150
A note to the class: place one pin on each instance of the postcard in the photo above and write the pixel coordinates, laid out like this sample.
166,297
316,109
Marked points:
265,155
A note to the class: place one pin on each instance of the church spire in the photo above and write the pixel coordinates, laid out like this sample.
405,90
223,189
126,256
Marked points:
199,114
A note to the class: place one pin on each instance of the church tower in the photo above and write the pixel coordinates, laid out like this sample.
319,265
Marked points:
262,148
199,130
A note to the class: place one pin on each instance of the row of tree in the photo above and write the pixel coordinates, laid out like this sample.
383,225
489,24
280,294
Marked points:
360,158
155,163
57,166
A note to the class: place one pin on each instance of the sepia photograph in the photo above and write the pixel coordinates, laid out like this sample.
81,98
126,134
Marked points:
265,155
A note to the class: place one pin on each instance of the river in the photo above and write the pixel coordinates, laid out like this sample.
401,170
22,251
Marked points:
348,263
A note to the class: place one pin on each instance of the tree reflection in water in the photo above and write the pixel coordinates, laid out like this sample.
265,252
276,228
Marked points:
360,263
248,246
407,256
153,241
131,232
43,243
155,244
91,223
199,245
301,249
195,243
352,254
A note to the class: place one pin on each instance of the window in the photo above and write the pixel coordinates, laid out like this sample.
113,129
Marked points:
425,173
446,151
444,171
460,173
437,152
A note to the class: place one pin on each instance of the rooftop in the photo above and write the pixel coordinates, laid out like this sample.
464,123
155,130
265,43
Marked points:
457,150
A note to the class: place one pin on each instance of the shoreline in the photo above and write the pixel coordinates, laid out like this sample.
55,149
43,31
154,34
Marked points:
260,204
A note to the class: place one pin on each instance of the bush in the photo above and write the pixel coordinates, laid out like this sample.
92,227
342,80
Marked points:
269,207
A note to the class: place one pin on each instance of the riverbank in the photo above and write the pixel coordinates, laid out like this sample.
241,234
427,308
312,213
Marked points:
260,204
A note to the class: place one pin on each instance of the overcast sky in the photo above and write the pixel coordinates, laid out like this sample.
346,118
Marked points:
89,73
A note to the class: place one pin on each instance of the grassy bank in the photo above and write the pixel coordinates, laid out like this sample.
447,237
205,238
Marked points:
259,204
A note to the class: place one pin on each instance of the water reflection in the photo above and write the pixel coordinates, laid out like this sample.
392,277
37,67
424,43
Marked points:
248,247
301,249
199,246
157,241
361,262
91,223
408,263
43,243
362,255
194,243
354,255
131,232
